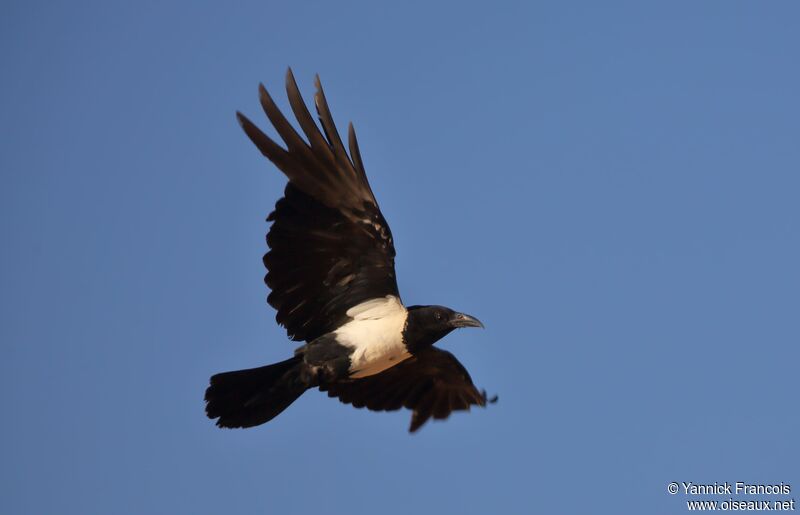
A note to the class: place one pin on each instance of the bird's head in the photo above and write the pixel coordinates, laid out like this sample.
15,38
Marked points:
426,325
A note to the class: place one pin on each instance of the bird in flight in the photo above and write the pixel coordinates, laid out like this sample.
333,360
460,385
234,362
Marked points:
331,271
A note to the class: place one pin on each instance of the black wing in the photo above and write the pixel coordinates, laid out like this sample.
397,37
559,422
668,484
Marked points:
331,248
431,383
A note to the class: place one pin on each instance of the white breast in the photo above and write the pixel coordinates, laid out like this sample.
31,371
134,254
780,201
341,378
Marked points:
375,334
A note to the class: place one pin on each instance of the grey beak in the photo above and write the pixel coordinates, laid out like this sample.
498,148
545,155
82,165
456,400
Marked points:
462,320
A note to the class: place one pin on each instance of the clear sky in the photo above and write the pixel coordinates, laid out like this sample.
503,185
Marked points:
611,187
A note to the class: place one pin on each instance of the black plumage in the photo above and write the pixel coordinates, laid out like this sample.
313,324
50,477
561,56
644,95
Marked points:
432,383
331,271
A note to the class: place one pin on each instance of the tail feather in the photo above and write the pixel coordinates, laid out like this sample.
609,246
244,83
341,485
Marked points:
246,398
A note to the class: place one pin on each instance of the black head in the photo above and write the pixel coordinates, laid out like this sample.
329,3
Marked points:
428,324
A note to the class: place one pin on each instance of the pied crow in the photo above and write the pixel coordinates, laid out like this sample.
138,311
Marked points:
331,271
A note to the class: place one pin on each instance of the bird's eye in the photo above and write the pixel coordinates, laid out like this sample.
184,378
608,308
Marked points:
437,316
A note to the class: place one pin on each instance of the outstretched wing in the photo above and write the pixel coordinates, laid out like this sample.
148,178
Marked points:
432,383
331,248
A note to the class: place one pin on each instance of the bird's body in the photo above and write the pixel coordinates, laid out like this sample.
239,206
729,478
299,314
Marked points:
331,271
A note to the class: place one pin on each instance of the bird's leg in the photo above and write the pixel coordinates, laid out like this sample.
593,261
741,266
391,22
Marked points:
325,361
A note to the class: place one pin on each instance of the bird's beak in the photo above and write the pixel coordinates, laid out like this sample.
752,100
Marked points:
462,320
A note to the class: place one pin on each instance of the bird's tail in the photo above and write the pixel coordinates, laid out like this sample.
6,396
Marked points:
246,398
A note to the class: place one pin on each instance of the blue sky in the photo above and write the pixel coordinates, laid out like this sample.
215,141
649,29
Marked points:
611,187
